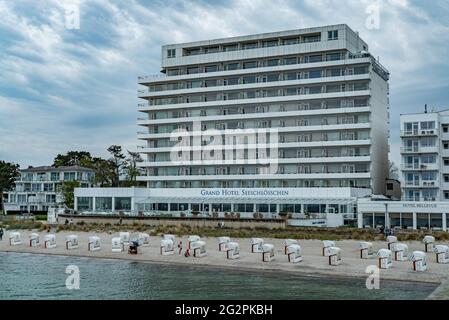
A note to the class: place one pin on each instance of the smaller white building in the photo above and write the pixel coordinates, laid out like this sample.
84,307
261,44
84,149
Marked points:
423,215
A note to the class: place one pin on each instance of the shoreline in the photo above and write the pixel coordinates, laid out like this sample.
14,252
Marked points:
224,267
313,264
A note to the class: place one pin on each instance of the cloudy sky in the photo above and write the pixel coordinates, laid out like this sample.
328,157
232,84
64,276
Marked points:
75,89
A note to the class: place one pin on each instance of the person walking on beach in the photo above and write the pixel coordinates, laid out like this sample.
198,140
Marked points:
1,234
180,248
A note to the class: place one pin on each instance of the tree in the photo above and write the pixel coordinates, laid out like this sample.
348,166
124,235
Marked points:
72,158
9,172
117,160
393,171
68,189
130,168
104,172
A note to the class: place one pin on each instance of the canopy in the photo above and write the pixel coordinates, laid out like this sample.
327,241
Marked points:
294,248
71,237
418,255
197,244
428,239
166,242
328,243
401,247
169,237
365,245
440,248
391,239
232,245
256,240
194,238
267,247
333,250
384,253
224,239
288,242
94,238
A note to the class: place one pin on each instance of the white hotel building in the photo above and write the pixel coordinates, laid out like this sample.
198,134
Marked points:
293,121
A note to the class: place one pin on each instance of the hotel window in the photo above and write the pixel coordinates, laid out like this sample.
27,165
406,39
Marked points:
332,35
333,56
389,186
446,145
270,43
445,128
446,162
171,53
446,195
288,61
314,74
428,125
272,62
315,58
232,47
290,41
232,66
252,45
430,159
123,203
211,68
250,65
290,76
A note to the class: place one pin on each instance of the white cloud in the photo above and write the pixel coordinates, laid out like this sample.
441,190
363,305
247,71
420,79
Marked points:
68,79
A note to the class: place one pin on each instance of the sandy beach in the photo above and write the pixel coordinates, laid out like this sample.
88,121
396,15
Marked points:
313,264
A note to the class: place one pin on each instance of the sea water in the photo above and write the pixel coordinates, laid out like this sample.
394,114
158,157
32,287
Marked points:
35,276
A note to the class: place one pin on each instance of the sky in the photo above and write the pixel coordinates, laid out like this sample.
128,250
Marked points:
66,85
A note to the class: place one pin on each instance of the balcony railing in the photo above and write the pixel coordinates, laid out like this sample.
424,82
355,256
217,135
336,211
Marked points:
408,133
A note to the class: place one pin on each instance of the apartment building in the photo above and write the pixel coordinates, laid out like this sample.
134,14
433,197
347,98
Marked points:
425,156
318,89
39,188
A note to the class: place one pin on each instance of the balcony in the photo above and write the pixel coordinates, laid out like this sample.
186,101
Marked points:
405,150
419,167
421,184
419,133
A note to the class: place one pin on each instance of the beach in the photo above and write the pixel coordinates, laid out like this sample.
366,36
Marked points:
313,264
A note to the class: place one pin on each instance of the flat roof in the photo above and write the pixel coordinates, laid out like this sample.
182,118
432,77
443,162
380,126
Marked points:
52,168
257,36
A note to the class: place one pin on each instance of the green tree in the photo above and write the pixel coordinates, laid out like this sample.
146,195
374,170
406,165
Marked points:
68,190
117,159
131,170
9,172
81,158
104,172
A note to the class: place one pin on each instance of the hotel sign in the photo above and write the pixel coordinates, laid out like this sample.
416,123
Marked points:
420,205
249,193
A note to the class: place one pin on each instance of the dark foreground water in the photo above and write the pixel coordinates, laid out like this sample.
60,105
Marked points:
31,276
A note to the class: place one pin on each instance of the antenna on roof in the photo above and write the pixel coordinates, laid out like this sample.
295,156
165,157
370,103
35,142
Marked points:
425,108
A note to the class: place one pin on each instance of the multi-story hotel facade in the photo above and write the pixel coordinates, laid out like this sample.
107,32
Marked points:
40,188
318,89
286,122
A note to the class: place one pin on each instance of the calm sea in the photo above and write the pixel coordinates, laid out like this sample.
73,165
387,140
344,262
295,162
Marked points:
31,276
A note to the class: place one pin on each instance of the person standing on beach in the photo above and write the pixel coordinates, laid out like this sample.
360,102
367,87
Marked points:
180,248
1,234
